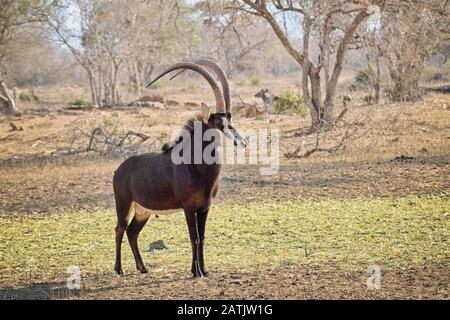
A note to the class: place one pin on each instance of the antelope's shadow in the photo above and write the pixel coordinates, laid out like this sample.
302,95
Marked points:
59,290
40,291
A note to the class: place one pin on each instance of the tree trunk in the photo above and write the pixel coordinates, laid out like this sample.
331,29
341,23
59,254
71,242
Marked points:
115,87
377,82
137,78
375,75
407,87
316,101
328,104
307,96
93,88
100,83
327,115
406,92
406,79
106,85
320,114
4,93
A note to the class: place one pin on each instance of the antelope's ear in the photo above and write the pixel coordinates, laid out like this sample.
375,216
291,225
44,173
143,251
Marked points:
205,112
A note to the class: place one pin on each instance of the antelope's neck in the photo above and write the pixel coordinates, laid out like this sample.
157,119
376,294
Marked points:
208,174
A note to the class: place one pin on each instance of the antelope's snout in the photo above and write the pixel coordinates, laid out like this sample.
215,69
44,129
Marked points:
238,140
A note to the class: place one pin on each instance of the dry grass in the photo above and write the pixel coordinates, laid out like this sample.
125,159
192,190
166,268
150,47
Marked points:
384,132
393,233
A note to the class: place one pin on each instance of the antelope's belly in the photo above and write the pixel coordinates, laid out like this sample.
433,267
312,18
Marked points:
141,212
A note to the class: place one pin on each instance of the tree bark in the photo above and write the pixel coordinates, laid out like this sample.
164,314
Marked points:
316,100
377,81
12,108
137,78
92,85
100,83
115,85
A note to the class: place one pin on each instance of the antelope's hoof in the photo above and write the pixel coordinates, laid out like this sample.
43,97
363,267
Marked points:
119,271
199,274
142,269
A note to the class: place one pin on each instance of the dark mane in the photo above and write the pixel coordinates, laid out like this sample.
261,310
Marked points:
189,126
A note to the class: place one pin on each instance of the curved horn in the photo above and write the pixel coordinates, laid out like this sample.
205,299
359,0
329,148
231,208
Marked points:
214,67
220,102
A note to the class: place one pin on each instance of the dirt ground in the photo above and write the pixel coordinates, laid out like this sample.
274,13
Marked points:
371,165
295,282
85,184
33,182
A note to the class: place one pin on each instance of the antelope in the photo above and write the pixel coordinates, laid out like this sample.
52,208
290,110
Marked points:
152,184
268,99
153,98
146,101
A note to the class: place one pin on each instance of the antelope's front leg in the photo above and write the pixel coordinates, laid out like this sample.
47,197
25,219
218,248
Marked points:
201,226
191,220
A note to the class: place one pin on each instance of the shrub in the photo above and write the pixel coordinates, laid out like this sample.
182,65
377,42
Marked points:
190,85
109,123
434,74
242,82
26,96
158,84
363,78
106,123
256,80
291,101
79,101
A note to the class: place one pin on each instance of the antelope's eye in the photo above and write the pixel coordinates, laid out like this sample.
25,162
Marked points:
218,122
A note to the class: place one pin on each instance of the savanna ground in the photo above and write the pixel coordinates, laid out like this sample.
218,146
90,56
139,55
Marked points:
310,231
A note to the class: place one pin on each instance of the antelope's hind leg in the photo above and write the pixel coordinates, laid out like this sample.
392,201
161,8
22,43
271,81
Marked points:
139,220
123,209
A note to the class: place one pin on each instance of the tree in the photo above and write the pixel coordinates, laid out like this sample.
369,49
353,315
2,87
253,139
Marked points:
14,15
410,32
161,33
31,59
117,38
374,54
333,23
232,38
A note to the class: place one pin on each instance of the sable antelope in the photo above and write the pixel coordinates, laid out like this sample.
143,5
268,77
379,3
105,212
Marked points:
152,184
